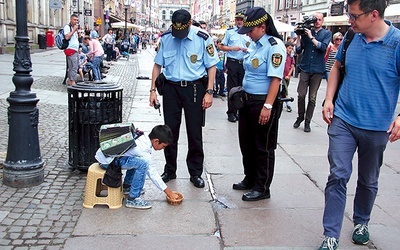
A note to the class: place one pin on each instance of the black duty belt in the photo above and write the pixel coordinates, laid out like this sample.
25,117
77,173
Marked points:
184,83
253,97
235,60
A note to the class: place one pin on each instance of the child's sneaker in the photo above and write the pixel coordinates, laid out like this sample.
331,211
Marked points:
289,109
329,243
138,203
360,234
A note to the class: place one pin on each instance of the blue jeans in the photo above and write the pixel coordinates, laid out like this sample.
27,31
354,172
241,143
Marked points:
135,175
344,140
96,67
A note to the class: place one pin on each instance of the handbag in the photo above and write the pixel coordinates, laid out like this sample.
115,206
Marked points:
113,176
236,97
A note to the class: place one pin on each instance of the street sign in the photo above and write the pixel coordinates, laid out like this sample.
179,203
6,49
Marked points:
88,12
98,21
55,4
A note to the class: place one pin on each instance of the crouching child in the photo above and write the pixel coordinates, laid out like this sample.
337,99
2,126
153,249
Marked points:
137,162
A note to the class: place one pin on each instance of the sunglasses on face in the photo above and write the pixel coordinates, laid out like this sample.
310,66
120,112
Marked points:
338,39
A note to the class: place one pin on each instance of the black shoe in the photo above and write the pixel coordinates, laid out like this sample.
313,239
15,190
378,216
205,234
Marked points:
298,122
232,118
241,186
197,181
255,196
222,95
307,128
167,177
288,108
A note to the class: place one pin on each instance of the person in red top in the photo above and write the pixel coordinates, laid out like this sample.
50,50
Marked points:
287,73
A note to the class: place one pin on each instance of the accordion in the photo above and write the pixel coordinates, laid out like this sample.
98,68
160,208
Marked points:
116,139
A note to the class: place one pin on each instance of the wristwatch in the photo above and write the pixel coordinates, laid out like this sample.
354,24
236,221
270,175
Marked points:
267,106
210,91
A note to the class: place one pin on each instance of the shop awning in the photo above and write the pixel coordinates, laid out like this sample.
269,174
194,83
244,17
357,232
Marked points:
114,19
336,20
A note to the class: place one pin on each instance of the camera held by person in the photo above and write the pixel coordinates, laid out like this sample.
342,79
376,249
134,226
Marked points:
308,22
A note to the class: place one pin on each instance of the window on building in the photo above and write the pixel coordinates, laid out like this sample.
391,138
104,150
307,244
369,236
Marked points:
280,4
163,14
287,6
294,3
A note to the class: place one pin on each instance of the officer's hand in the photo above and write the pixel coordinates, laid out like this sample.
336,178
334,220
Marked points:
152,98
207,101
394,130
264,116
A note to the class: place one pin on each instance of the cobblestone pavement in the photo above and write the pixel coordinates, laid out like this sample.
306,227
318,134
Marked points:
43,217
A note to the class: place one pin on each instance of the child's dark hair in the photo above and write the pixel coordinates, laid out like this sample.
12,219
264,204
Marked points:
289,44
163,133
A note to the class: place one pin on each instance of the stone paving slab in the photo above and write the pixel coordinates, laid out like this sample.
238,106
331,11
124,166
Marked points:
192,217
145,242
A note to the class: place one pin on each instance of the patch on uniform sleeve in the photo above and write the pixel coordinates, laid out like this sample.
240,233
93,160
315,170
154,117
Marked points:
276,60
247,44
210,49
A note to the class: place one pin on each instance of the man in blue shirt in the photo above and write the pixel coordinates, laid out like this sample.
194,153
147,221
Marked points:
235,45
312,44
188,56
361,119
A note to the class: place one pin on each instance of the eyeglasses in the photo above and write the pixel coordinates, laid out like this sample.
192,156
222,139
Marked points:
354,17
338,39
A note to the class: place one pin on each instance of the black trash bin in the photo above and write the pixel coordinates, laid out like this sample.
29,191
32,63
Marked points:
42,41
90,105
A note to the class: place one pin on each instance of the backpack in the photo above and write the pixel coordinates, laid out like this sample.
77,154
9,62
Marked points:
60,40
115,139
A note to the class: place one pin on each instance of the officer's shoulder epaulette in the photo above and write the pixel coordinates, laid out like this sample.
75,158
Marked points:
166,32
203,34
272,41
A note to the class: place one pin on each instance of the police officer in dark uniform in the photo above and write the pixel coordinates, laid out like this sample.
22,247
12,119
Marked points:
188,55
258,119
235,45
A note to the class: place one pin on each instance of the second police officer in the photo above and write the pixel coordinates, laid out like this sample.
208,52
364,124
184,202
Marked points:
235,45
258,119
188,55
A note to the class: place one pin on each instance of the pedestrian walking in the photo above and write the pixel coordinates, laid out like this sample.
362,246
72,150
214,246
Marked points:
235,45
287,73
188,56
361,118
331,53
312,44
258,119
109,42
